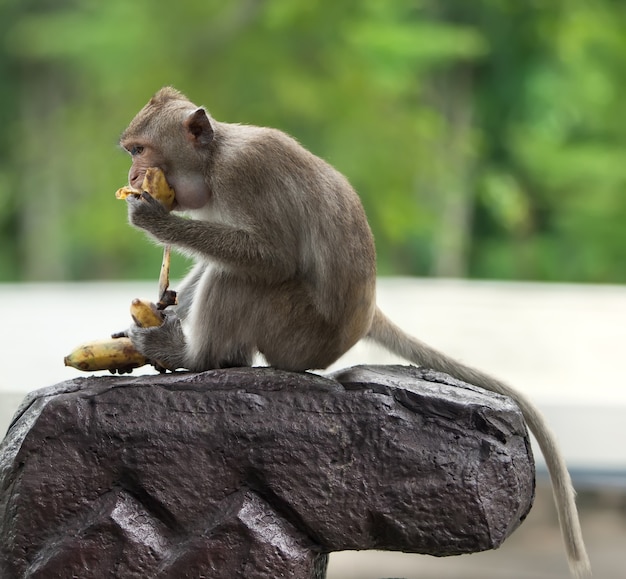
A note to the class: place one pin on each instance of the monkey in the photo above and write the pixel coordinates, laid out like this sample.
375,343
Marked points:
285,264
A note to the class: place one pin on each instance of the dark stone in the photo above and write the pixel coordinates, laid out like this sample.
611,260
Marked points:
256,473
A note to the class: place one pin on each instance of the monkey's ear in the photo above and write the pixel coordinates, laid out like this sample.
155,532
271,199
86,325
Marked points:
198,127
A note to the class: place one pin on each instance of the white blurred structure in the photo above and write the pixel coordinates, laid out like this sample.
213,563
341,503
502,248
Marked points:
561,344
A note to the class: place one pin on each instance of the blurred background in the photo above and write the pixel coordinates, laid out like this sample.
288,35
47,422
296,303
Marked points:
485,138
487,141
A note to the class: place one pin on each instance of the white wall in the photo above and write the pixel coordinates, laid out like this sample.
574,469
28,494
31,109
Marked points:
562,344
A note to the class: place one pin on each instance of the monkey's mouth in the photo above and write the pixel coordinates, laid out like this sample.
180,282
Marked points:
154,183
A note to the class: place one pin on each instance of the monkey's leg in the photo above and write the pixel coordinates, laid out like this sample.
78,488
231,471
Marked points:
294,335
218,321
233,316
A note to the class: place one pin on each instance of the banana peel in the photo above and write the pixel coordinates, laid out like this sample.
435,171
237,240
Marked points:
116,354
155,183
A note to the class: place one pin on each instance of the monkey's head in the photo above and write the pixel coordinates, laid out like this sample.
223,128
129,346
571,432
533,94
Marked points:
172,133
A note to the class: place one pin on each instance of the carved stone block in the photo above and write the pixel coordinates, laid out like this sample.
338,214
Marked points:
256,473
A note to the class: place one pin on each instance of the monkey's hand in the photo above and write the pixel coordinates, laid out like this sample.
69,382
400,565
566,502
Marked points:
145,212
163,345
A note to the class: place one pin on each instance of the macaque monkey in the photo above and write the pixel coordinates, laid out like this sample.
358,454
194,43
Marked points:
285,263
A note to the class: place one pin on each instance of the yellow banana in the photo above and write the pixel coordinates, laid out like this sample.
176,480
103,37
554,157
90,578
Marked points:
125,191
116,353
154,182
108,354
145,314
119,353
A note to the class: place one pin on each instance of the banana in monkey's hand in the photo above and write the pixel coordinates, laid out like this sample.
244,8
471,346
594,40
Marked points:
154,183
116,354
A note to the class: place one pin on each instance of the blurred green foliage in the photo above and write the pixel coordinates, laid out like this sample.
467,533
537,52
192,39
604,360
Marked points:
486,138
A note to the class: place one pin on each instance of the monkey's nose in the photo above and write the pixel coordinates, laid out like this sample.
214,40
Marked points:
135,178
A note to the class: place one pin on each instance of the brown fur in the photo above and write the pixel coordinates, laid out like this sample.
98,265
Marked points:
285,262
276,239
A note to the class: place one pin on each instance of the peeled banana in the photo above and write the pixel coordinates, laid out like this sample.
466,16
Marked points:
116,354
154,182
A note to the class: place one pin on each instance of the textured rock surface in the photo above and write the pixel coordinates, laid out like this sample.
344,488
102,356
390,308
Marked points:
255,473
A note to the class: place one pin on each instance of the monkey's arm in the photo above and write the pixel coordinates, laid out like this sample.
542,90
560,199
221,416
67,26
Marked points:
225,243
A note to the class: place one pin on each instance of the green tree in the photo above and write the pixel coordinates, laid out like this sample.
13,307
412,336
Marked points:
484,138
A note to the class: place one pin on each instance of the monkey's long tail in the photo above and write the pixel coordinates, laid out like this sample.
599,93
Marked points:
386,333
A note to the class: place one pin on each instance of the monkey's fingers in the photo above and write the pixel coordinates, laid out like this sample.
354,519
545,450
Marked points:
169,298
148,315
154,182
117,354
160,369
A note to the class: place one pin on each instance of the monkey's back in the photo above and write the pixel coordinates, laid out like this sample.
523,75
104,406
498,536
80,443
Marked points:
305,210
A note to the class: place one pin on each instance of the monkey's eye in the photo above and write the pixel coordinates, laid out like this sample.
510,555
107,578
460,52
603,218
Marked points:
136,150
